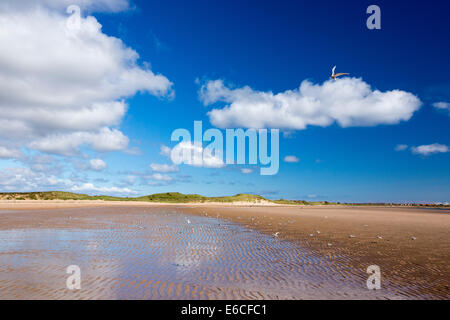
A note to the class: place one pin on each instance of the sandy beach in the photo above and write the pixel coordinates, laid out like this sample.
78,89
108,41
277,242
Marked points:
137,250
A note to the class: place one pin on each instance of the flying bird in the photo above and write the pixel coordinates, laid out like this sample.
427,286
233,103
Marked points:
335,75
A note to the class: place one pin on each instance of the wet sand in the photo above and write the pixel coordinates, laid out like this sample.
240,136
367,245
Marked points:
222,252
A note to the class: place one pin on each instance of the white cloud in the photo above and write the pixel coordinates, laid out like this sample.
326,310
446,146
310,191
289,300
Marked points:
28,180
61,5
164,168
442,105
349,102
161,177
97,164
291,159
25,179
246,171
7,153
104,140
195,155
89,187
165,151
401,147
61,88
430,149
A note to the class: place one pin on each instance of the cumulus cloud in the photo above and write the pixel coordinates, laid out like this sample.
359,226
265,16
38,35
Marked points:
68,144
61,87
25,179
401,147
349,102
429,149
90,188
195,155
97,164
291,159
164,168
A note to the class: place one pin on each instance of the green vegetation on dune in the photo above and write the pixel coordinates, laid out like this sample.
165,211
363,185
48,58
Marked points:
54,195
304,203
242,197
179,197
172,197
176,197
169,197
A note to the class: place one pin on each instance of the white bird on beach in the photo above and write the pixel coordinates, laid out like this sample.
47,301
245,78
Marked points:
413,238
276,234
188,221
352,236
380,237
335,75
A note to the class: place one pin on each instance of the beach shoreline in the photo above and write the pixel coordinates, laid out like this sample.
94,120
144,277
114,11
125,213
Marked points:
55,204
409,244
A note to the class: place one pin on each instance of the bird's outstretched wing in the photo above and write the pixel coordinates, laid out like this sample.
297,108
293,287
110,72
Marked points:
341,74
334,68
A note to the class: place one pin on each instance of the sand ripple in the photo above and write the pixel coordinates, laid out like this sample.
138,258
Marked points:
159,255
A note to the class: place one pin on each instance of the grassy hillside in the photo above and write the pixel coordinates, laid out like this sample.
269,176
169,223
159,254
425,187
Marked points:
53,195
179,197
176,197
170,197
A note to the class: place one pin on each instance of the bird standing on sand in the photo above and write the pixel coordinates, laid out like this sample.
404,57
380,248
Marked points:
276,234
335,75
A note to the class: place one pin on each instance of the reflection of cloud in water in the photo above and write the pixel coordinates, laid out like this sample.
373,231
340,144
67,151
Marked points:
157,255
201,249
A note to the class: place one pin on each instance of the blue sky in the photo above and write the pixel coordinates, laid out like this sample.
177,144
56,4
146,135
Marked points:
269,46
